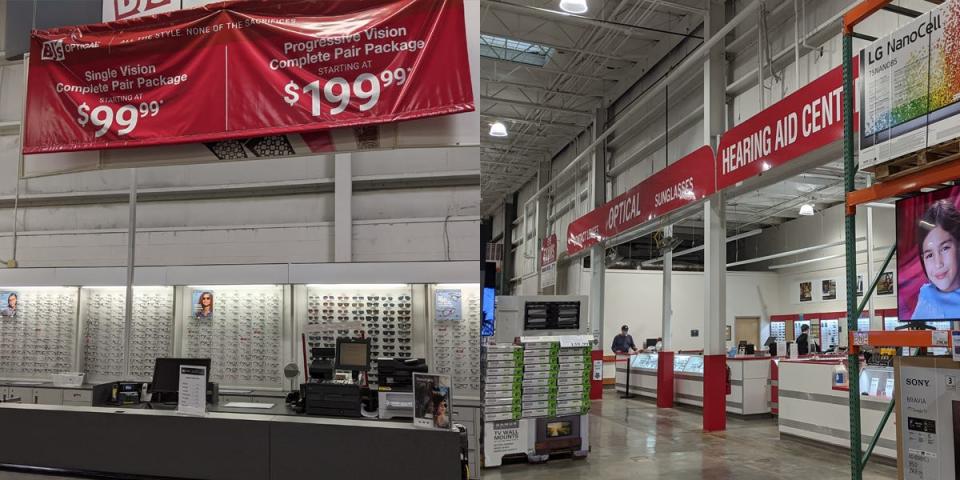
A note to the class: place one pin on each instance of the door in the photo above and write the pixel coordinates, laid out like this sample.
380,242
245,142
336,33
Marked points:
748,330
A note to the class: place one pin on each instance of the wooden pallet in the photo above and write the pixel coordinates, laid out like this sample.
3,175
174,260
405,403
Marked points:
916,161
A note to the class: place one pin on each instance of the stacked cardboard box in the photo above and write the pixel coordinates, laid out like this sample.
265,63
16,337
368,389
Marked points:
556,381
503,383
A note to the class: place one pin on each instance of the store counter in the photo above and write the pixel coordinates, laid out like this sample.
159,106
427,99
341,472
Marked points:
812,408
749,377
221,445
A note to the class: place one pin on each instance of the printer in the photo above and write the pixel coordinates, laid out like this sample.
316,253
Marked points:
395,395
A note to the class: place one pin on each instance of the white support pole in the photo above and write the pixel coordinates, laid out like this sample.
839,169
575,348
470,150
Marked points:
715,232
875,324
715,269
665,329
343,216
131,260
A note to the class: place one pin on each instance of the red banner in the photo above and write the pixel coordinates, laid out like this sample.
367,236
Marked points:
548,252
681,183
245,69
803,121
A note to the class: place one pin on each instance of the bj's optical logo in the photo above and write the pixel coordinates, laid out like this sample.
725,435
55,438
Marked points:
53,50
56,50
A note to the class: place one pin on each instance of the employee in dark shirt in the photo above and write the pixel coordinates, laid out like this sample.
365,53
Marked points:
623,343
803,341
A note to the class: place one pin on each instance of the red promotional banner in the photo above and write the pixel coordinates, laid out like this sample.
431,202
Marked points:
803,121
548,252
245,69
681,183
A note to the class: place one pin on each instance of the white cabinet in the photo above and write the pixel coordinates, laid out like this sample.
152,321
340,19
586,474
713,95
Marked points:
469,417
48,396
80,398
25,394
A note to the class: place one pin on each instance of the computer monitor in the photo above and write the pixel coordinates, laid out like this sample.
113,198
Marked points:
166,373
650,342
353,354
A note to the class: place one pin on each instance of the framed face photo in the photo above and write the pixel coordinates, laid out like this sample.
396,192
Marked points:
885,285
828,289
806,291
8,304
203,304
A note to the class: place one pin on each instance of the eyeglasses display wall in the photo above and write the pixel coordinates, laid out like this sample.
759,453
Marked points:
382,313
152,331
456,336
37,331
240,329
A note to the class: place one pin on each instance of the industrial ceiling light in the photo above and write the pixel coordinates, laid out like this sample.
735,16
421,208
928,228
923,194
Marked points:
806,209
498,129
574,6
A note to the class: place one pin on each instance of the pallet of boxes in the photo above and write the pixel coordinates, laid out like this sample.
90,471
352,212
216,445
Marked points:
536,400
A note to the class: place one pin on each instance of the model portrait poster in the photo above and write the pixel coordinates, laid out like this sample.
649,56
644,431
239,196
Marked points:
203,304
8,300
885,285
928,270
806,291
431,397
828,289
859,285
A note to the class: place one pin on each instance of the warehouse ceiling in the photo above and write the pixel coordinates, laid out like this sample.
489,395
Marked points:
544,73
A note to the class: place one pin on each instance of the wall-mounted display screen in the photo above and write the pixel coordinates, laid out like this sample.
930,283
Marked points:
928,269
551,316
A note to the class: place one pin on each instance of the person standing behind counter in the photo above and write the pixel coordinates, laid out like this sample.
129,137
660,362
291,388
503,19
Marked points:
623,343
803,341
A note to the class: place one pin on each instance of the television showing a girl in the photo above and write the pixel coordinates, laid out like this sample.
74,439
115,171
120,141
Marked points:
928,267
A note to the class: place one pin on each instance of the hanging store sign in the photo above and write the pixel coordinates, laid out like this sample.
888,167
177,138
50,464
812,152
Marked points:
548,262
234,70
681,183
808,119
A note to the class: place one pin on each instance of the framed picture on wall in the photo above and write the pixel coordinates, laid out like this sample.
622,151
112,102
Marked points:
729,333
806,291
885,285
828,289
8,304
202,304
859,285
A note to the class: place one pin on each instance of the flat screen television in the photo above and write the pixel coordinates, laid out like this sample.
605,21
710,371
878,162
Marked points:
489,307
928,265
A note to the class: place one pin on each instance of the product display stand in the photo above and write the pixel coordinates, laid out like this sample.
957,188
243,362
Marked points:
907,183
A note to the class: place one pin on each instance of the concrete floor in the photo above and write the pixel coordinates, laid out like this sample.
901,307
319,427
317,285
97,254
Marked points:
632,439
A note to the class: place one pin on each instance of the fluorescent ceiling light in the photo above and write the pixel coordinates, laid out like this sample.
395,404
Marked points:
806,209
498,129
574,6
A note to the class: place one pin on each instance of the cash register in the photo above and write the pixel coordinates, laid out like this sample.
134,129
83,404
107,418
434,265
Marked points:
341,398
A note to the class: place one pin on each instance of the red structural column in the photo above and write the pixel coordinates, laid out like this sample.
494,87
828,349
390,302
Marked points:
596,379
665,380
714,393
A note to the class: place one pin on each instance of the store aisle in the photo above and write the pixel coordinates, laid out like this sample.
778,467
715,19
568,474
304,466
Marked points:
632,439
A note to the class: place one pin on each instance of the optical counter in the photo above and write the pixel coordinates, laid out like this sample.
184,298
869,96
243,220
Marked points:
221,445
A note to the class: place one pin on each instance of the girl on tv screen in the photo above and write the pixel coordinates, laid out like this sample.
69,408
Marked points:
938,231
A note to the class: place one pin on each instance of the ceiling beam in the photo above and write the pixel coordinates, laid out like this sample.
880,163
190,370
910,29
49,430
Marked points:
534,68
564,48
550,123
507,147
626,29
539,88
536,106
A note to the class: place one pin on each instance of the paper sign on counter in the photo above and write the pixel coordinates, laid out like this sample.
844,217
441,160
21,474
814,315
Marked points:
192,394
